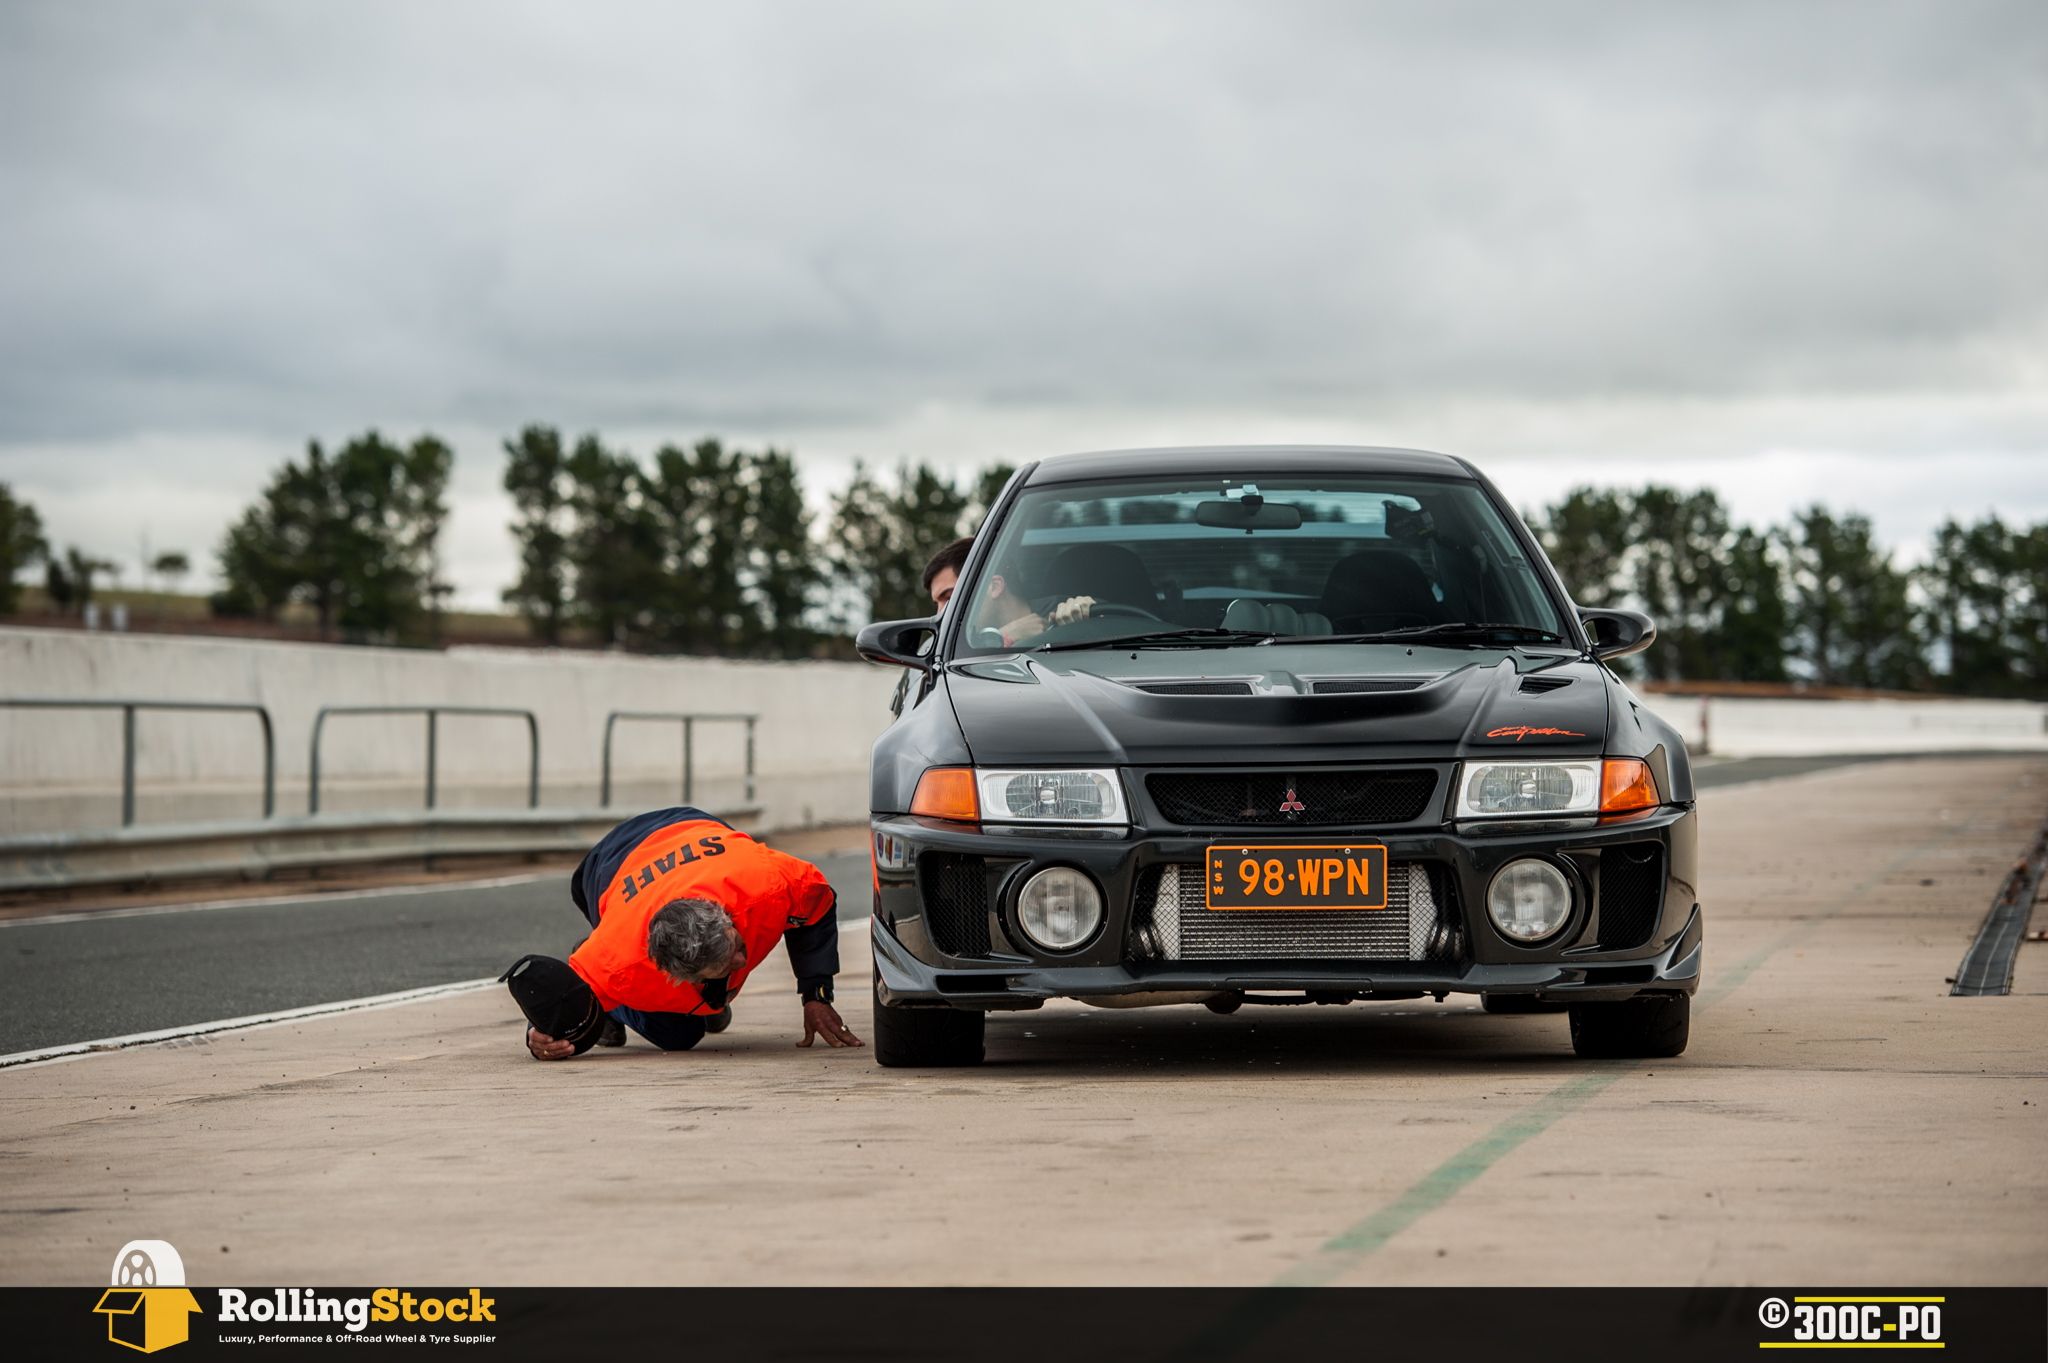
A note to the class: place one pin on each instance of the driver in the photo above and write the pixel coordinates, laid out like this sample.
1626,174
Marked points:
1004,609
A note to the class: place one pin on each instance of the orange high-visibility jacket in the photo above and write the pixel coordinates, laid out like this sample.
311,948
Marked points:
767,892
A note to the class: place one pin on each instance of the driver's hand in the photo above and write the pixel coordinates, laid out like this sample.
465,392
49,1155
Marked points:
1072,609
1022,628
544,1047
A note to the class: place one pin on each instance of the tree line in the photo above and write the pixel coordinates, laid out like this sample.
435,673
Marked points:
1817,599
705,549
710,549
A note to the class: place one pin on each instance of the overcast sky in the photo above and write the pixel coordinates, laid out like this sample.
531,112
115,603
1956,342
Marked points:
1791,251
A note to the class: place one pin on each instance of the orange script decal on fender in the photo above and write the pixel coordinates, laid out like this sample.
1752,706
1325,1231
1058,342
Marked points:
1522,731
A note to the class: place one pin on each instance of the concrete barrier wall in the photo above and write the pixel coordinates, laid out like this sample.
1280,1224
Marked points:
62,769
1744,726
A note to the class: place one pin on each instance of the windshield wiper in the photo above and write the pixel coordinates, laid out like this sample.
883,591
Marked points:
1463,631
1164,636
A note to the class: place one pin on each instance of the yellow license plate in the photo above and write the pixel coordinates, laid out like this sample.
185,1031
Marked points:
1297,877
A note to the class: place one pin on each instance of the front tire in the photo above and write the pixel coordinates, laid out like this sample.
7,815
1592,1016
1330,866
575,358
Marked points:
926,1038
1646,1027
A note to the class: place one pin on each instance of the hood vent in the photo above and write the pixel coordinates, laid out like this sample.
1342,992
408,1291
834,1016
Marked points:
1347,686
1536,686
1197,688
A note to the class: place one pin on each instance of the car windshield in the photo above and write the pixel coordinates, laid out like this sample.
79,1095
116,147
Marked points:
1180,561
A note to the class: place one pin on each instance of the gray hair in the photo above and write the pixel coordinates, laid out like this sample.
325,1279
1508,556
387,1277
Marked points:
690,939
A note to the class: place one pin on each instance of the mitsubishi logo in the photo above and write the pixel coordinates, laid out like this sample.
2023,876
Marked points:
1291,805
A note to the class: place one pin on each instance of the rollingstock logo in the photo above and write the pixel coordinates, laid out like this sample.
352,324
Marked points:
148,1306
301,1306
1852,1322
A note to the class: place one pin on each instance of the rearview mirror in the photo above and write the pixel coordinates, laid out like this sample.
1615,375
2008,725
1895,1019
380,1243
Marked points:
902,642
1618,633
1248,514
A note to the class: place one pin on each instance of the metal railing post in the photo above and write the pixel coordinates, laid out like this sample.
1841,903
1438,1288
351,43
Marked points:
129,742
532,761
127,766
604,791
313,765
689,722
269,765
433,714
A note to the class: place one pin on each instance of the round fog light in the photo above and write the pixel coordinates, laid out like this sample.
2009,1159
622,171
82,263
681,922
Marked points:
1529,900
1060,908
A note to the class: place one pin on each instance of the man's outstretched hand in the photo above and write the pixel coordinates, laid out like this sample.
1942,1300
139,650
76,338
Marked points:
823,1020
544,1047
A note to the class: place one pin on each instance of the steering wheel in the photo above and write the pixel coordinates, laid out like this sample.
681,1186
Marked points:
1097,611
1118,608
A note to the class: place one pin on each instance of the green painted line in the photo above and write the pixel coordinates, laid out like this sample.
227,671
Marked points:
1359,1241
1338,1256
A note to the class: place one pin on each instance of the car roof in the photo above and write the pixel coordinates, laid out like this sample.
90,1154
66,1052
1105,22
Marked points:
1247,461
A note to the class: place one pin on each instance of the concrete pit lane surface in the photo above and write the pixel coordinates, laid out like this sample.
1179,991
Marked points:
1838,1118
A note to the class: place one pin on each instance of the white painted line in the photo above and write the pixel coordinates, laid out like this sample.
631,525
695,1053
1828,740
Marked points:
122,1043
287,900
404,996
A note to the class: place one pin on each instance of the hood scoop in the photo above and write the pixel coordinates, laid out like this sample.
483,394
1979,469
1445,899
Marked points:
1197,688
1352,686
1537,685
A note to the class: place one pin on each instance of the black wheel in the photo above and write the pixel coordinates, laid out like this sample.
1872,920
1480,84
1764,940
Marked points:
926,1037
1519,1003
1649,1026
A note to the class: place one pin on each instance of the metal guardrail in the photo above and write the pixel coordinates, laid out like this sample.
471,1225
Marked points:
433,714
604,799
128,709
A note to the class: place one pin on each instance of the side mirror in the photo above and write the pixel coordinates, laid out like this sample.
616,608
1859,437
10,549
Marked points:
902,642
1618,633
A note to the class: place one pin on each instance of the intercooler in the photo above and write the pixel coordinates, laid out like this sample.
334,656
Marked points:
1172,922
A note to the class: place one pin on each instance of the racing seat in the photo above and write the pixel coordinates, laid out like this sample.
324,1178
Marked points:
1107,572
1379,589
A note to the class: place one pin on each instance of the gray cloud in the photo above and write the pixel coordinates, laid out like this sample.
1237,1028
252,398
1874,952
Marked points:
288,216
267,220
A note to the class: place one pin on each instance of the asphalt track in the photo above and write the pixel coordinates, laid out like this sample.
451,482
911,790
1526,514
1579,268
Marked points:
1839,1118
90,976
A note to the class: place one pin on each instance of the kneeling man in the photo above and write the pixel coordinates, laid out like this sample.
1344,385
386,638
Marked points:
681,907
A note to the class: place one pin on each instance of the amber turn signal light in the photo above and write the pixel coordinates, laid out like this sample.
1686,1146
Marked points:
1625,784
946,793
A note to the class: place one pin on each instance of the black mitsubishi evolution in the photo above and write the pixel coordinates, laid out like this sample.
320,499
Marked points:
1273,725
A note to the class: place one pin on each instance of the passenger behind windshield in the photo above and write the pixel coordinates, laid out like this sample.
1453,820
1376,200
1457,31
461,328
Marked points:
1287,557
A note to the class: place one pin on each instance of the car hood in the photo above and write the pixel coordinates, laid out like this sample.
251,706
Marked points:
1038,711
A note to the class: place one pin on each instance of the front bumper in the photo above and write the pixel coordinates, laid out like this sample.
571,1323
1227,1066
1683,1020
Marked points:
1010,973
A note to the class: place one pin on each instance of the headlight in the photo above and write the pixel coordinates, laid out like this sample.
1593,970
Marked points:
1529,900
1495,788
1060,908
1050,797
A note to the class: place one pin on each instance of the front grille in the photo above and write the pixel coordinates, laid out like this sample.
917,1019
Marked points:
1366,796
1631,893
1222,688
1172,922
1346,686
955,894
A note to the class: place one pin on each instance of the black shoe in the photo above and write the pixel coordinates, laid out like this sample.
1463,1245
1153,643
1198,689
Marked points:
720,1020
613,1033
